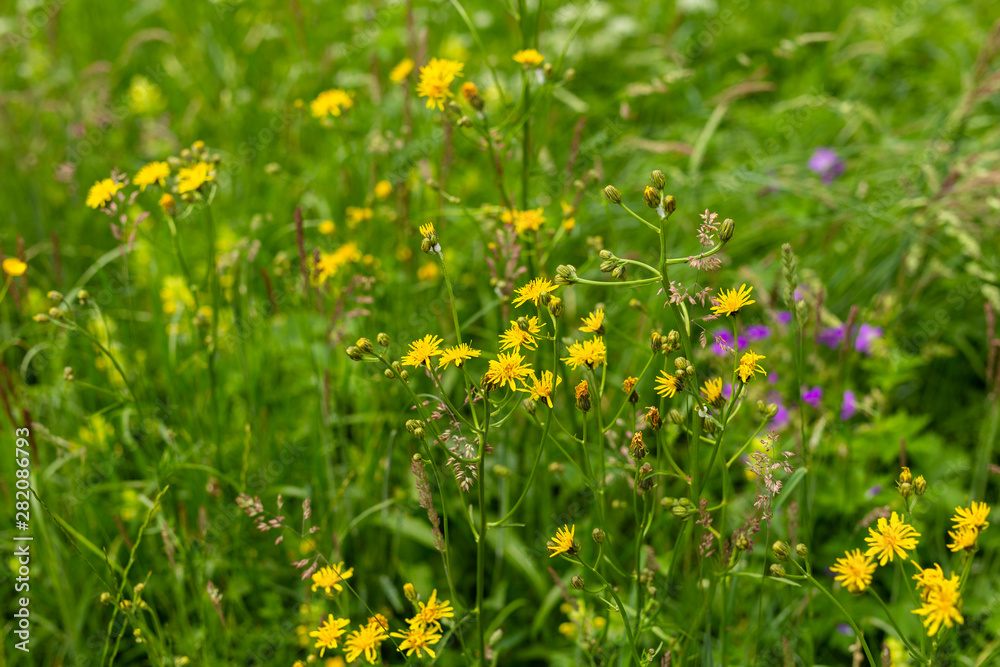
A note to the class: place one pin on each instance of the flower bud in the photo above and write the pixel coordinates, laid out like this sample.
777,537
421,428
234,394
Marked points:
905,489
777,570
618,273
41,318
410,591
105,598
565,274
598,535
54,296
742,542
55,314
727,230
583,396
383,339
781,550
354,353
651,196
529,406
577,582
680,363
611,192
83,296
389,374
364,345
920,485
544,298
656,341
680,512
68,374
658,179
675,416
801,550
556,306
905,475
669,204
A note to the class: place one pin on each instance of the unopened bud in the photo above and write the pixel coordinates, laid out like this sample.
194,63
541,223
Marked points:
598,535
577,582
54,296
669,204
364,345
905,475
675,416
410,591
801,550
556,306
658,179
354,353
727,230
611,192
651,196
781,550
777,570
383,339
920,485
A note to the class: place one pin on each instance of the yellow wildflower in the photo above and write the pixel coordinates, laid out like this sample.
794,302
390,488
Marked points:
729,302
541,389
457,355
154,172
330,103
529,57
749,366
418,638
435,81
941,606
401,70
14,267
383,189
563,542
191,178
590,353
594,322
891,538
533,291
330,577
667,385
854,571
101,192
422,350
330,630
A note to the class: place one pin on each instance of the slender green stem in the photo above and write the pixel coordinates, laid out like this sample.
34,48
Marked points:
619,283
213,346
451,298
640,218
483,526
618,603
902,636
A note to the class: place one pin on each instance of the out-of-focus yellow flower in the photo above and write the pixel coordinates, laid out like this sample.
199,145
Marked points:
529,57
356,215
154,172
428,271
144,97
327,227
191,178
435,81
383,189
167,203
401,70
330,103
101,192
14,267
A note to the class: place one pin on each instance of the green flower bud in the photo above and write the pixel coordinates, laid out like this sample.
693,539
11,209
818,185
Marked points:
658,179
727,230
781,550
611,192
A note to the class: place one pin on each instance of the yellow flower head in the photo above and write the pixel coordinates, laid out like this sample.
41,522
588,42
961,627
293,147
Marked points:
401,70
524,221
515,337
356,215
749,366
327,227
432,612
457,355
14,267
963,539
422,350
101,192
563,542
418,638
541,389
167,203
590,353
365,640
469,91
331,262
154,172
854,571
330,103
667,384
435,81
729,302
594,322
427,230
533,291
972,517
329,632
329,578
928,579
941,605
529,57
383,189
506,370
191,178
891,538
712,391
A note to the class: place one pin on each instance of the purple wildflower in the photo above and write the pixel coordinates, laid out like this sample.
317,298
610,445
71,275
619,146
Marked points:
849,407
831,337
784,316
781,419
827,164
724,343
874,491
757,332
867,334
845,629
813,396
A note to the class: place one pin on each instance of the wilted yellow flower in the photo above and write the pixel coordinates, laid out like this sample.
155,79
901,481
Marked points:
101,192
563,542
401,70
330,103
154,172
529,57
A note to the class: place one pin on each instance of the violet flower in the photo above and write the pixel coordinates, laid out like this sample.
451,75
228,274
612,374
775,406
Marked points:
813,396
867,334
757,332
849,406
827,164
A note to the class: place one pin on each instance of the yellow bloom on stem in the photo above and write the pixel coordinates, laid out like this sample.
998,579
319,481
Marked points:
14,267
963,539
366,640
101,192
928,579
541,389
167,203
418,638
327,227
383,189
729,302
330,262
972,517
515,337
427,230
563,542
506,370
891,538
533,291
422,350
594,322
749,367
356,215
458,355
191,178
435,81
330,630
628,384
330,577
590,353
712,391
941,606
667,384
524,221
529,57
469,91
432,612
330,103
854,571
154,172
401,70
